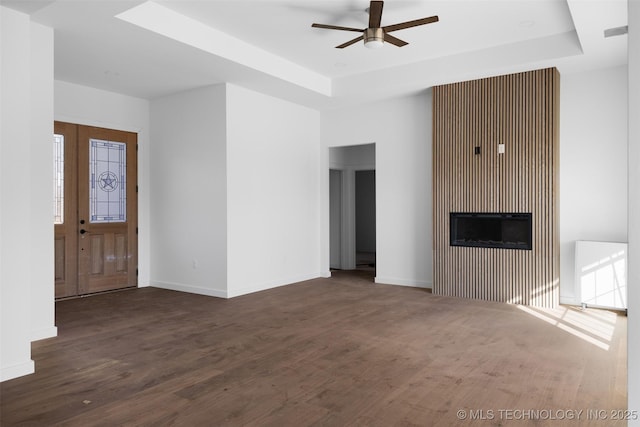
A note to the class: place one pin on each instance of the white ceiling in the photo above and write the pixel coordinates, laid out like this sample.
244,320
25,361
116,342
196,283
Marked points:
150,49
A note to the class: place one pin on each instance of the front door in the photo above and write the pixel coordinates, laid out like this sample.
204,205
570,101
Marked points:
96,220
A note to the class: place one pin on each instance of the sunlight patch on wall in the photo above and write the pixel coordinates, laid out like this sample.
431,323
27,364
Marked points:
601,271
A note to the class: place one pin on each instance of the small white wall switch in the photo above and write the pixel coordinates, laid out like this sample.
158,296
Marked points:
500,148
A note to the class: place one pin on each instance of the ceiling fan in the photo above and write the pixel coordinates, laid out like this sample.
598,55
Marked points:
375,35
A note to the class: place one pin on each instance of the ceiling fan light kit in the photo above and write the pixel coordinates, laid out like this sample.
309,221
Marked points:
374,35
374,38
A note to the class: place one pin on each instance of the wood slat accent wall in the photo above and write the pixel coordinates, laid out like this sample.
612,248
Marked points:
521,111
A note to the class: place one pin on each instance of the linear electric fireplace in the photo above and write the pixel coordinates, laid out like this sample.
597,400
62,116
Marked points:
491,230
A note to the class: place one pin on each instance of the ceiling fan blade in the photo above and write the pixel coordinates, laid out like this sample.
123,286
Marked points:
375,14
394,40
350,42
410,24
335,27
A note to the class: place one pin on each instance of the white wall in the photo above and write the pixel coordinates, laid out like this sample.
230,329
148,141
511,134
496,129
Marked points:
633,325
188,193
593,165
401,130
273,175
26,231
94,107
235,192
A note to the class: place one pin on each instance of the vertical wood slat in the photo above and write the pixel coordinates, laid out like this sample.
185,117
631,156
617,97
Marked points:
521,111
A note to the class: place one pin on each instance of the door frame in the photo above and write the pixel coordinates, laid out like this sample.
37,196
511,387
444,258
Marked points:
66,263
335,218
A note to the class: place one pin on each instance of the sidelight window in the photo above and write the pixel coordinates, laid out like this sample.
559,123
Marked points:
58,179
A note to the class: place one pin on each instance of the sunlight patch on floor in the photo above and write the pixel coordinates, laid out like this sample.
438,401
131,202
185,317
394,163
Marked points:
592,325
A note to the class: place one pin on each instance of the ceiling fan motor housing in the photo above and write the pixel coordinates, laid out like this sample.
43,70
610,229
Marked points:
374,37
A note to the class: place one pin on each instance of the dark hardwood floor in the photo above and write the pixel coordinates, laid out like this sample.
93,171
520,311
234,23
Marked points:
326,352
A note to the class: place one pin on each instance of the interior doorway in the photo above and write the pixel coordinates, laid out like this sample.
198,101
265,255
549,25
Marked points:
352,218
95,209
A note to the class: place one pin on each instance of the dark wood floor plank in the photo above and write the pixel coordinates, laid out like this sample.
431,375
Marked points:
326,352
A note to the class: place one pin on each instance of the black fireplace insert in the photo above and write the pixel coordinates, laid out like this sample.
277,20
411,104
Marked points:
491,230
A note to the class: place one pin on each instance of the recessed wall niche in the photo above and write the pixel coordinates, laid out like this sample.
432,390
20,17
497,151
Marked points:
495,150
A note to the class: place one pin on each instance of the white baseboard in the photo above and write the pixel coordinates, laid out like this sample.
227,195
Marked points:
219,293
44,333
404,282
257,287
17,370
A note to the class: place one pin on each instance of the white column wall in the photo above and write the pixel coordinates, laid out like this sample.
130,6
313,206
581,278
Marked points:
593,165
189,193
42,286
94,107
633,324
26,231
15,235
273,185
401,128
